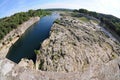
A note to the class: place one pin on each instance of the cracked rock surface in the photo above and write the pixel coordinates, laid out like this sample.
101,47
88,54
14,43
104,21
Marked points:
74,45
75,50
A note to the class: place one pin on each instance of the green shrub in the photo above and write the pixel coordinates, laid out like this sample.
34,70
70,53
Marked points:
37,52
57,21
111,22
7,24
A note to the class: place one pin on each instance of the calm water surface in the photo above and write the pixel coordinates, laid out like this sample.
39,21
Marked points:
31,39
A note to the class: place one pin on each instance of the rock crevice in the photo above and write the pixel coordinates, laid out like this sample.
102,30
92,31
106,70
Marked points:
75,50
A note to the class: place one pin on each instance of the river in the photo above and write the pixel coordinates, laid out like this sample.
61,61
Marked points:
31,39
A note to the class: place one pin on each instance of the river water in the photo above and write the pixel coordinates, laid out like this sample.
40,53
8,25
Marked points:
31,39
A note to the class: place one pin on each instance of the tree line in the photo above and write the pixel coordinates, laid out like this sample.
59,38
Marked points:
110,21
7,24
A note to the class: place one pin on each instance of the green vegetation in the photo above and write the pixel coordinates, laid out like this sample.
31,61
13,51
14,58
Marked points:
84,19
95,21
41,64
59,9
7,24
111,22
37,52
57,21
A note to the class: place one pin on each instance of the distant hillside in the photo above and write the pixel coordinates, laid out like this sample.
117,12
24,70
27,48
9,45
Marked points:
112,22
7,24
59,9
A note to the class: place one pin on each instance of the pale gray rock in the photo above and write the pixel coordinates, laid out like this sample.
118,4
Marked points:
75,50
73,47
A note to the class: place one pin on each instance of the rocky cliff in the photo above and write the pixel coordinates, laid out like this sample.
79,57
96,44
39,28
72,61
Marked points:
77,49
74,44
82,47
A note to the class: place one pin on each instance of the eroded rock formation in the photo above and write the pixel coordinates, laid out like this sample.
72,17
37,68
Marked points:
75,50
73,45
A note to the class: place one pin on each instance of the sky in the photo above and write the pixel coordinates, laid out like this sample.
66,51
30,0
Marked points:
9,7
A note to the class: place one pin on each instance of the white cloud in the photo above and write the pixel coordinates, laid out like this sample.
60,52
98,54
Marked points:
59,5
102,6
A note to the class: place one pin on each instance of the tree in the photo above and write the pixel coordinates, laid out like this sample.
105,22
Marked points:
7,24
83,11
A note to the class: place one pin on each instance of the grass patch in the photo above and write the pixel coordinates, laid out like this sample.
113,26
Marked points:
84,19
37,52
57,21
95,21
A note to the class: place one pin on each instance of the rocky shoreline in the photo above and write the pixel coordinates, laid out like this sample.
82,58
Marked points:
80,48
73,45
14,35
75,50
6,65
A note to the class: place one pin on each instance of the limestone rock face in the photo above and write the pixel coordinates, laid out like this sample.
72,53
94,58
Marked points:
75,50
74,45
96,71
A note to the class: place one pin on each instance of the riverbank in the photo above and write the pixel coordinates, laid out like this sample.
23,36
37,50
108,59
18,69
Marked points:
75,50
14,35
74,44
